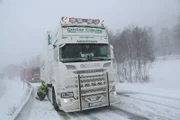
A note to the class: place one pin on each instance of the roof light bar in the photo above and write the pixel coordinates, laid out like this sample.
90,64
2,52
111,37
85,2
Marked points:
80,20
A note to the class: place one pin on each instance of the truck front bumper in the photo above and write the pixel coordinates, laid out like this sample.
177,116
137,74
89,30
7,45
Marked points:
72,105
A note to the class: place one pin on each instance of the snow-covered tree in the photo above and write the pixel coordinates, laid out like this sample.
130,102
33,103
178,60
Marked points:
134,52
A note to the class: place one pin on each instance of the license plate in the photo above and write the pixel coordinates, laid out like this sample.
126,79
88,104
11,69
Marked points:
95,104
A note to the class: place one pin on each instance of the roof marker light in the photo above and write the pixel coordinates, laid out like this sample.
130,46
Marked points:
96,21
90,21
66,19
72,20
79,20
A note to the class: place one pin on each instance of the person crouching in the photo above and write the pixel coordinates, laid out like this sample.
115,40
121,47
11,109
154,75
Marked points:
42,91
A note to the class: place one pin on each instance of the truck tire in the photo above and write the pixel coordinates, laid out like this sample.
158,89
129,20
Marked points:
54,100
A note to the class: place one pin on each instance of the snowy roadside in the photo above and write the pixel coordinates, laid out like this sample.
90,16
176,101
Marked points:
14,98
147,89
158,99
2,87
150,102
38,110
164,81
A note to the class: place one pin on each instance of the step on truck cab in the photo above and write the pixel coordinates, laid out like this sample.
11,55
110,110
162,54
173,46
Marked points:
78,62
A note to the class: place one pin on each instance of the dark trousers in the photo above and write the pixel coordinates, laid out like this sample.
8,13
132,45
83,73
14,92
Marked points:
41,96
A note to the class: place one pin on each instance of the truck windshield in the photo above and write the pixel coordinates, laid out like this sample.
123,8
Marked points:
84,52
36,71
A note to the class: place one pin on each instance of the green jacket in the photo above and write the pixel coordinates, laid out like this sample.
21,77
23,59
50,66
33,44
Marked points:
43,88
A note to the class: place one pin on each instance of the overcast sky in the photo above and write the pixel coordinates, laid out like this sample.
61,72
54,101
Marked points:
23,23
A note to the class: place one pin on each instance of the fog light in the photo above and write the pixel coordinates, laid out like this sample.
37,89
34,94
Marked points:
113,89
67,100
113,93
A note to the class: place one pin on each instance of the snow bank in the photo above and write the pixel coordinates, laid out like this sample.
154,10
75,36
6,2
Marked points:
160,98
2,87
148,89
14,98
168,57
164,80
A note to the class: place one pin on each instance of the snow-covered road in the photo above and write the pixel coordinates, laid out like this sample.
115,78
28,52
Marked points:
157,100
153,107
113,112
133,106
43,110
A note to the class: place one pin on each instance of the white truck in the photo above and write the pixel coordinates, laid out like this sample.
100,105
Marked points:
78,63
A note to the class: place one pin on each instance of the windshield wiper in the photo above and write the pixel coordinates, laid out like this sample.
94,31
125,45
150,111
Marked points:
98,58
75,60
89,58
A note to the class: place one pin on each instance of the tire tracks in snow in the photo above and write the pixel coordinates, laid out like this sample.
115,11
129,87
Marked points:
127,114
63,115
126,95
81,115
151,115
93,114
160,96
110,112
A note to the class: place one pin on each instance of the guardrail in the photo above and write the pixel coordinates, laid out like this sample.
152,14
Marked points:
20,108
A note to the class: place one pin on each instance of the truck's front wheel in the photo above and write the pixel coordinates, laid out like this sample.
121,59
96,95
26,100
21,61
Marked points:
54,100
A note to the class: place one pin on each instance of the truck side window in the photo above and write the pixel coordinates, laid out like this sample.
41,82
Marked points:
104,52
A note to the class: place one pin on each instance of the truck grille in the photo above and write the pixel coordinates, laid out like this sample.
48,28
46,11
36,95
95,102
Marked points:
93,90
93,83
89,71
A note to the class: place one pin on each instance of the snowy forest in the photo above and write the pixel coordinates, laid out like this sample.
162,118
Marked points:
136,48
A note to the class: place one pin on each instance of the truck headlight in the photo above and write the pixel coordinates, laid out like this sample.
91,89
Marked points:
67,95
113,93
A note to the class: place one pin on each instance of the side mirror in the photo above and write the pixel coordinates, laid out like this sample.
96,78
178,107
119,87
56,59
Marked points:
111,51
111,47
54,46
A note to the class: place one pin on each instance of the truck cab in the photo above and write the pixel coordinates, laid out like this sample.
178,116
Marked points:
79,65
